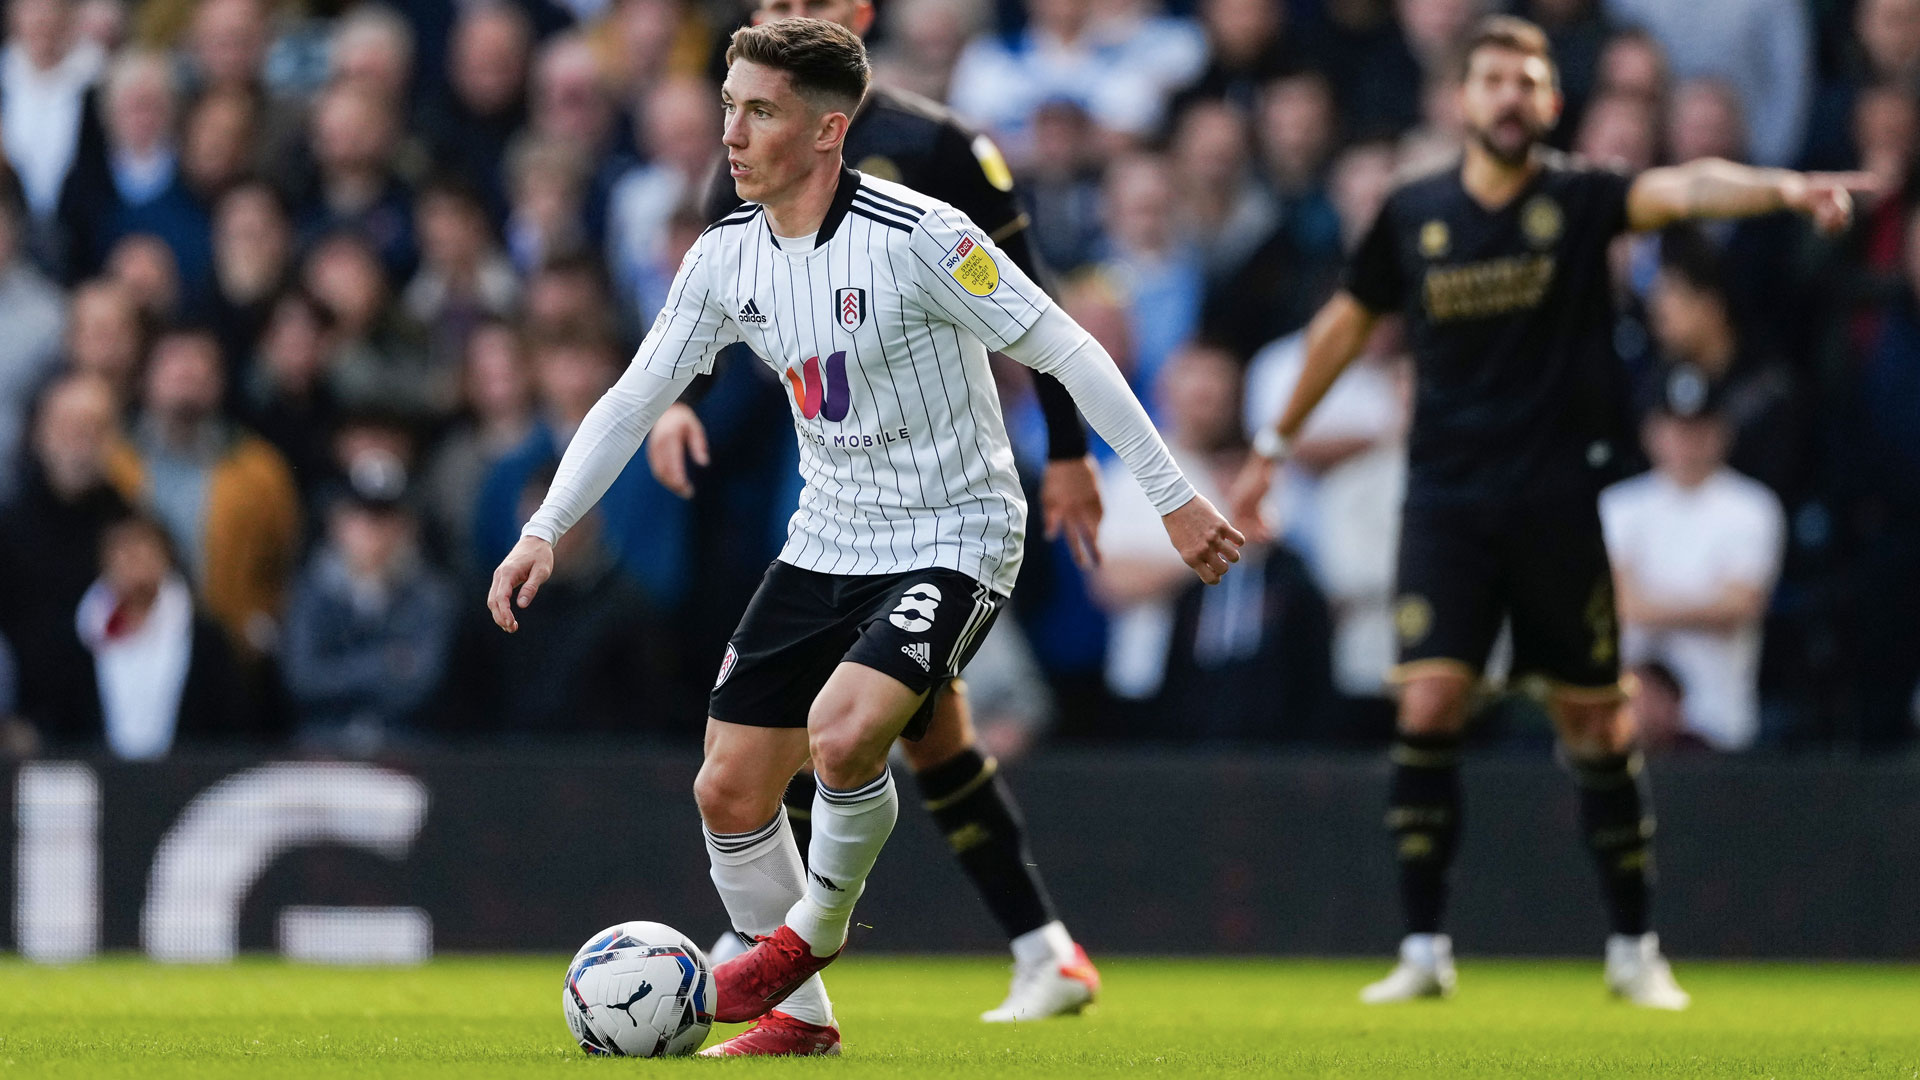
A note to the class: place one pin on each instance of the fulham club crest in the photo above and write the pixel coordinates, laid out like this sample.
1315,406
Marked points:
850,308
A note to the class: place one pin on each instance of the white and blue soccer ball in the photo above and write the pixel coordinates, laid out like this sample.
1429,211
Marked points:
639,989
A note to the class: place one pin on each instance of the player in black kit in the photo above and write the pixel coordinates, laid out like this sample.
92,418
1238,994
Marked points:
908,139
1499,268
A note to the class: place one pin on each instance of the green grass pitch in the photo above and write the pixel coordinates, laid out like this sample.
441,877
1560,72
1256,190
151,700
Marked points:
475,1017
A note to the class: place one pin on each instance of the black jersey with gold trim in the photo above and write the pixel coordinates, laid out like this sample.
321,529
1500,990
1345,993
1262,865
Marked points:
1509,314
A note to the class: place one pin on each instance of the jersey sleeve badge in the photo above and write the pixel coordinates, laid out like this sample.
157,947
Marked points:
992,163
968,263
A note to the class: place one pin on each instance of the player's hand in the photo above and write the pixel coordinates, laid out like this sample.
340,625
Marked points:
1248,499
518,579
1070,506
677,436
1827,198
1204,539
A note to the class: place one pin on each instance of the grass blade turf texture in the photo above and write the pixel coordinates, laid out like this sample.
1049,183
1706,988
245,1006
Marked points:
915,1017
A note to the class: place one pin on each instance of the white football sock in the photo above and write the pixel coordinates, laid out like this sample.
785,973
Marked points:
849,829
1050,944
758,874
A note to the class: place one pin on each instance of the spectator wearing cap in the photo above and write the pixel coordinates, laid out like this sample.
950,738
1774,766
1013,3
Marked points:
371,623
225,494
163,673
1696,550
1693,324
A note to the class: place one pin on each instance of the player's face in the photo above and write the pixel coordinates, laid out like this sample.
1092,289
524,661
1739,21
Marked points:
855,15
1509,102
772,134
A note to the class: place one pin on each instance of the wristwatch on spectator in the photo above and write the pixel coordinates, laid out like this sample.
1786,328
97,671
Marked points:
1270,444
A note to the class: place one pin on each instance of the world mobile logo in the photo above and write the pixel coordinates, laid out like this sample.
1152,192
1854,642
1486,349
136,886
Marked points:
811,398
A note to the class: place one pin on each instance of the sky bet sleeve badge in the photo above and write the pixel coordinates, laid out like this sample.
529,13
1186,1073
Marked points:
970,265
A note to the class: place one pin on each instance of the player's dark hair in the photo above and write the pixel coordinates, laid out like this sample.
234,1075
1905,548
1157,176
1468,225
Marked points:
1512,34
826,60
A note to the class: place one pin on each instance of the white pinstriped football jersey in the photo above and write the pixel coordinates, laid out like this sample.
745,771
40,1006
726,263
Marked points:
880,335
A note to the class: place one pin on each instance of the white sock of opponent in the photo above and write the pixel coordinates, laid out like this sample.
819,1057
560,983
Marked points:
849,829
759,875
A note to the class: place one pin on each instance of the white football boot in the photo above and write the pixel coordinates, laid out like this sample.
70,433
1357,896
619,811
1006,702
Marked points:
1637,972
1425,971
1048,988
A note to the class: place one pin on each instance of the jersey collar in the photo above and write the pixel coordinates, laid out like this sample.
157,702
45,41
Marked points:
837,210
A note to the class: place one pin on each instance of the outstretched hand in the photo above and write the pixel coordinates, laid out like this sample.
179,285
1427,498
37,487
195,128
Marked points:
677,436
522,572
1247,500
1827,198
1204,539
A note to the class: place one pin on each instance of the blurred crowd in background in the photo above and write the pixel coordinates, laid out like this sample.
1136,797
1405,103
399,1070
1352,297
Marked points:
301,299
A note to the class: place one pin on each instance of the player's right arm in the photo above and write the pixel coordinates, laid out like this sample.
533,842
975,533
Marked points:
689,330
1335,336
1376,283
1714,188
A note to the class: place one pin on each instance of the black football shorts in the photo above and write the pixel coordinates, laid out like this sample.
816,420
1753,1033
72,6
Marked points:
1467,568
920,627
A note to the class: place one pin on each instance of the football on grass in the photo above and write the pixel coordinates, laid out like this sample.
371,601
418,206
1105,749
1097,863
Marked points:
639,989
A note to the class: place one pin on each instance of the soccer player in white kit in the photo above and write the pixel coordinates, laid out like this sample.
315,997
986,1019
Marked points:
877,306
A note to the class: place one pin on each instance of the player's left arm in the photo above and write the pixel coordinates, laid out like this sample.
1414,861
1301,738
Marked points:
1060,347
968,281
1715,188
983,188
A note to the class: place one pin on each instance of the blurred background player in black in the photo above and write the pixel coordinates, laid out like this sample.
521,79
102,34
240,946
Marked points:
1498,264
912,140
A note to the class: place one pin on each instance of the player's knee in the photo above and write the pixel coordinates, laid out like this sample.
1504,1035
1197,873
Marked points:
847,748
1434,706
729,802
1588,729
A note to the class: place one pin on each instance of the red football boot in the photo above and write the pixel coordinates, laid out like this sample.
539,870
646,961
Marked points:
780,1035
752,983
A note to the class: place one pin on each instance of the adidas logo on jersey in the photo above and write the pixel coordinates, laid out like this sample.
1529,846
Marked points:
920,653
750,313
